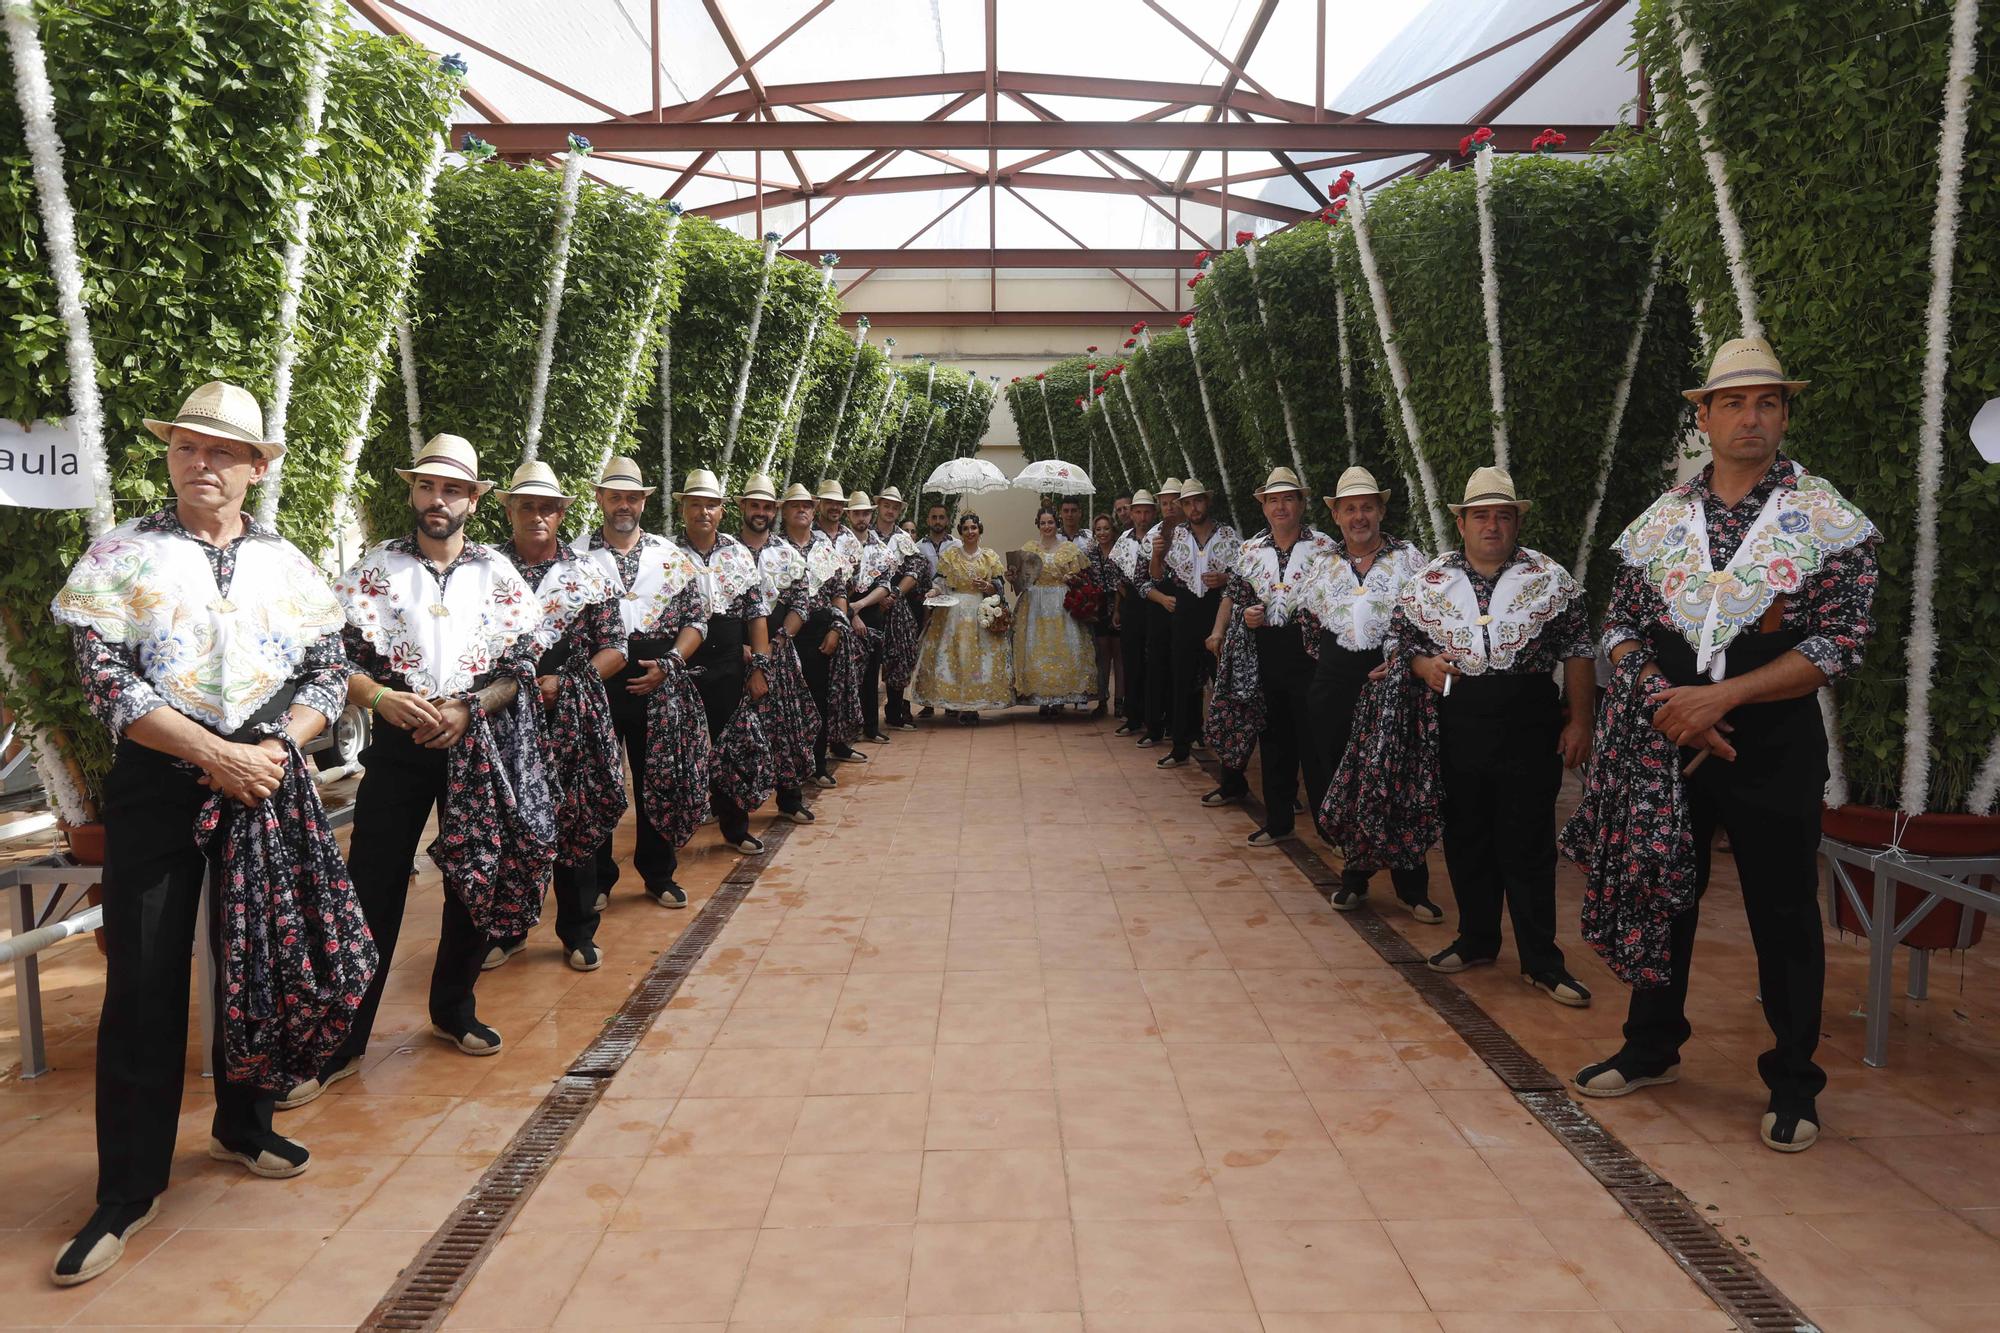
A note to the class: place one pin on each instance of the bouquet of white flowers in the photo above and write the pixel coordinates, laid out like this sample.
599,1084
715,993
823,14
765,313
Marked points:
993,615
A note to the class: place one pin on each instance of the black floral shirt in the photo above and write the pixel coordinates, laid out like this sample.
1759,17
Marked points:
595,628
519,659
1561,637
1833,609
114,686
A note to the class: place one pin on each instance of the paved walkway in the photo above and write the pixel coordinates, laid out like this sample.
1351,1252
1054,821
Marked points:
1019,1037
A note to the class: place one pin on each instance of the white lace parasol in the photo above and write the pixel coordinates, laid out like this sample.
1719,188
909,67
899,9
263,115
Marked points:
965,476
1052,476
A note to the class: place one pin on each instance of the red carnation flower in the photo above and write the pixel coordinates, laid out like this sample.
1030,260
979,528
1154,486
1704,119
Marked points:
1191,282
1465,146
1041,377
1201,258
1079,402
1015,380
1090,365
1091,348
1245,237
1185,320
1482,134
1098,390
1140,327
1131,342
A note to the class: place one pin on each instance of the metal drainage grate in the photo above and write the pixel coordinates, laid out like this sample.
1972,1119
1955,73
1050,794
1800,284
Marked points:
1614,1165
1489,1041
423,1293
1382,937
1729,1277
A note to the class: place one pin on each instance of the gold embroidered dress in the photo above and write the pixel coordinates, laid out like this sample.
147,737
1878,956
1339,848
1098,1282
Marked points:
1055,661
963,665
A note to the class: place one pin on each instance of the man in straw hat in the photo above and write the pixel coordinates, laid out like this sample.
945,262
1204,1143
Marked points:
1194,562
1743,591
650,575
789,715
1351,596
209,647
901,568
733,658
583,644
442,635
1162,595
1130,558
846,722
1487,627
1267,581
822,615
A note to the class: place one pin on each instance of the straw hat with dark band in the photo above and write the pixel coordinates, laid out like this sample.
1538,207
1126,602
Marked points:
224,411
1490,486
535,479
1281,479
701,484
829,489
1356,481
795,493
622,474
451,457
1741,363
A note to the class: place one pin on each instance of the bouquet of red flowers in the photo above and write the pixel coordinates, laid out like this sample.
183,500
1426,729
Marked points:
1084,601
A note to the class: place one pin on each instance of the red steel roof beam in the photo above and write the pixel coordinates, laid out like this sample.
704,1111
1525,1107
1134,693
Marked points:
1254,35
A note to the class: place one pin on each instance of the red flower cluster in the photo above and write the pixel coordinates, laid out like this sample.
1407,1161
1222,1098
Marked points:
1140,327
1131,342
1185,321
1040,377
1548,139
1331,213
1090,365
1201,258
1098,391
1091,348
1118,369
1477,139
1245,237
1079,402
1195,279
1015,380
1340,184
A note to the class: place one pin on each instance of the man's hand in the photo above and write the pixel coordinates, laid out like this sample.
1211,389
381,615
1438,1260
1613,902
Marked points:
1434,671
1253,616
1380,672
1163,599
654,676
1575,743
829,643
1214,645
409,711
757,685
454,720
1687,713
550,686
1214,578
855,622
246,773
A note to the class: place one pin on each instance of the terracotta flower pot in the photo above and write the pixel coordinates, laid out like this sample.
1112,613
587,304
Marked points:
86,846
1926,835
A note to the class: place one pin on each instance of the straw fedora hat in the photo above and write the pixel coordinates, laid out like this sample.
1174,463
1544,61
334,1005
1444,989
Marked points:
1356,481
860,500
225,411
448,456
1490,486
1191,488
1281,479
1171,486
759,487
535,479
795,493
622,474
891,493
1741,362
829,489
1144,497
701,484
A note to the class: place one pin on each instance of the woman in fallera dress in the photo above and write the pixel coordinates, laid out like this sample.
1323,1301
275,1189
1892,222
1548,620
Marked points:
963,666
1055,657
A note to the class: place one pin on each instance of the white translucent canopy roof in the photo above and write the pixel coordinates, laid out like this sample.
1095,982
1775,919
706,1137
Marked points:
599,52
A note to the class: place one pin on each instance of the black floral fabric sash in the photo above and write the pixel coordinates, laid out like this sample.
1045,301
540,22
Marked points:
296,954
1385,805
580,752
899,656
1632,834
791,719
745,770
496,838
843,691
678,755
1236,709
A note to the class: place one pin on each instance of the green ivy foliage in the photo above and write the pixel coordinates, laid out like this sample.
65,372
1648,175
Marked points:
1574,242
182,125
476,316
1170,393
1827,117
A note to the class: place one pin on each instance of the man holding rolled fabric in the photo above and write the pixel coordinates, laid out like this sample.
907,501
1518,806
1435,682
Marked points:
1130,558
822,627
583,644
1195,560
847,722
209,647
735,647
1162,595
881,579
1486,627
908,576
1351,597
1746,588
791,720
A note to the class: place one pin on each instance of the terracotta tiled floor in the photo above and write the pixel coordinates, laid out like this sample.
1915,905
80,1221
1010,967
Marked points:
1019,1037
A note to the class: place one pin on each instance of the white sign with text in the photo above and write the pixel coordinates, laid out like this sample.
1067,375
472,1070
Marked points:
41,466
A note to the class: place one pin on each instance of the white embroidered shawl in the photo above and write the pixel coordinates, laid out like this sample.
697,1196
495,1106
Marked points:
664,569
439,639
1355,610
1219,552
1531,592
1281,590
569,587
728,573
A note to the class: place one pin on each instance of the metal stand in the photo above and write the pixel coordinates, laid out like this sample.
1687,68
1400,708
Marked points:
67,885
1941,879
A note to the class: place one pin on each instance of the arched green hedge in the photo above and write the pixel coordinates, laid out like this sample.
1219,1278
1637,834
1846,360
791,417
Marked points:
1827,120
182,126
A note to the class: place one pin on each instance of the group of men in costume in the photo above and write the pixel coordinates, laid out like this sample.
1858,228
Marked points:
504,681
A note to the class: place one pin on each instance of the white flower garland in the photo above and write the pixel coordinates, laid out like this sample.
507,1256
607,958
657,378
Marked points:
1265,459
1986,787
881,414
50,765
1346,357
37,100
889,464
1277,381
1922,644
749,356
1489,297
1208,410
588,485
1174,424
1138,419
297,246
1117,445
1733,245
666,369
798,376
350,451
853,365
545,353
1046,415
406,355
1619,397
1399,374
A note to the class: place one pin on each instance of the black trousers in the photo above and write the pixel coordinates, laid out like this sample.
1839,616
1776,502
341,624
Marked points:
1501,774
154,877
817,668
1160,664
876,618
1286,743
652,855
402,782
1193,622
720,684
1134,614
1336,688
